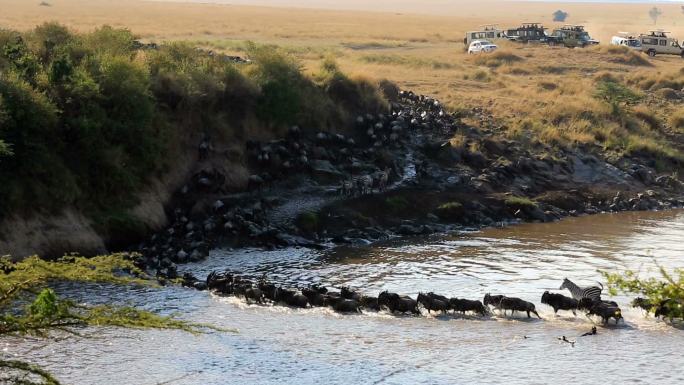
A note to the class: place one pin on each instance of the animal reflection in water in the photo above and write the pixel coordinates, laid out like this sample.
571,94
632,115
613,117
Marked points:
346,300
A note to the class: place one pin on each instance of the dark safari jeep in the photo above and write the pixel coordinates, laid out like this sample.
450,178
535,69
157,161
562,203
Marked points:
571,36
528,32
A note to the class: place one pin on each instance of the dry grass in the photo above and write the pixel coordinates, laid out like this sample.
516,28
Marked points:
536,92
497,59
621,55
677,120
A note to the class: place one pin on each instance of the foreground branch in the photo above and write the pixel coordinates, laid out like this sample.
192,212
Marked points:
28,369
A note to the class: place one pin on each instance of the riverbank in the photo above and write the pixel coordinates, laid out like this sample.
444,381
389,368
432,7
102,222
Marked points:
229,152
443,175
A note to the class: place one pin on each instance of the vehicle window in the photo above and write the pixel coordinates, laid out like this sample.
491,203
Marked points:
663,42
647,41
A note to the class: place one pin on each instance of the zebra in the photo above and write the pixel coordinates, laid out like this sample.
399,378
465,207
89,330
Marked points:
593,292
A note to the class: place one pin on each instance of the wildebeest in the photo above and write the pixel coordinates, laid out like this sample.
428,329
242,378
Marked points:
559,302
642,303
438,297
344,305
314,297
268,289
396,303
318,288
516,304
666,307
348,293
602,309
431,303
669,308
380,179
364,185
291,298
370,303
464,305
492,300
347,188
254,294
220,282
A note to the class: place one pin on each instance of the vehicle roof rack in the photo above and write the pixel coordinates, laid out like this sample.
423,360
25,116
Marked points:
657,32
489,27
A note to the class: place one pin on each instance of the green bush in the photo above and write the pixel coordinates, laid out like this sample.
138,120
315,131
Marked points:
282,84
663,296
450,211
616,95
87,119
517,202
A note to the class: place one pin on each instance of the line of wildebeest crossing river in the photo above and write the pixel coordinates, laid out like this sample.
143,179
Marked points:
264,292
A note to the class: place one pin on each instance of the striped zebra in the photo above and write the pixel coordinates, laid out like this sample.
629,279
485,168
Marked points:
593,292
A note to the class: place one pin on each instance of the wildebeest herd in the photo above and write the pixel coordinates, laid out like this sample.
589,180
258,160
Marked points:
346,300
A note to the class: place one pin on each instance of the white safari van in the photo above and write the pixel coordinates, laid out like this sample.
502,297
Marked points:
490,32
627,40
657,42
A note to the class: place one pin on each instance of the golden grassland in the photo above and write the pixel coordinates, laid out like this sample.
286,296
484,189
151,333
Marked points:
534,91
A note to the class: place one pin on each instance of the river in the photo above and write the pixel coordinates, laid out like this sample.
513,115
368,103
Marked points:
277,345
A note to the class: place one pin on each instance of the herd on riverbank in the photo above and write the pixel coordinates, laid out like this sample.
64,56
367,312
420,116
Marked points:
264,292
367,179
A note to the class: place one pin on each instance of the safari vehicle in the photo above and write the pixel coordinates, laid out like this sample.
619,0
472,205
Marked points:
627,40
571,36
527,32
488,32
481,46
657,42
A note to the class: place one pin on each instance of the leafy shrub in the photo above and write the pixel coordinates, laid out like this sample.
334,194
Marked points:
281,81
616,95
450,211
87,119
664,295
34,175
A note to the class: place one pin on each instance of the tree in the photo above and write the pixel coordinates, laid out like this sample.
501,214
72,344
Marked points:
560,16
654,13
662,296
28,281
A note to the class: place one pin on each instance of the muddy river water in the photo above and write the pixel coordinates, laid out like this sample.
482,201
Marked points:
277,345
